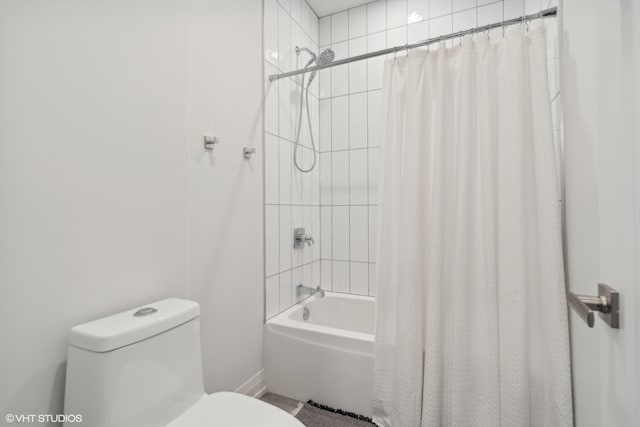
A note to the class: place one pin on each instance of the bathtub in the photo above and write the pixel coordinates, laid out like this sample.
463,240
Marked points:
327,358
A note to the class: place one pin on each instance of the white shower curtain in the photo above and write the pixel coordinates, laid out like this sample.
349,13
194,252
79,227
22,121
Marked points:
471,326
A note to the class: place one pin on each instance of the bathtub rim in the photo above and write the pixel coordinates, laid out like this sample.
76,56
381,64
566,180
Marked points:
283,324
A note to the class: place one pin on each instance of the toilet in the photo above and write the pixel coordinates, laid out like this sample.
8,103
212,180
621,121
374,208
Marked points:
143,367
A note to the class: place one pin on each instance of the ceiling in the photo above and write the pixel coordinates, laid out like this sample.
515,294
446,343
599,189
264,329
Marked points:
327,7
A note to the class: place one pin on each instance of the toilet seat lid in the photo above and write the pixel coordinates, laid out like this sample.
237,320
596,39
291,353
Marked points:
225,409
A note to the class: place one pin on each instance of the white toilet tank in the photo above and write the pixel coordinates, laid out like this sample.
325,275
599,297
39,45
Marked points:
141,367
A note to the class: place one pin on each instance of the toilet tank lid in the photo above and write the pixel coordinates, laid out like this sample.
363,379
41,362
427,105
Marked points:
137,324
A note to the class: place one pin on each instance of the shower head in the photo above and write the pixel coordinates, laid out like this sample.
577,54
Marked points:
325,57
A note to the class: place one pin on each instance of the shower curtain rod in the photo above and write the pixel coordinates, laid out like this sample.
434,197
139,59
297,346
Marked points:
547,13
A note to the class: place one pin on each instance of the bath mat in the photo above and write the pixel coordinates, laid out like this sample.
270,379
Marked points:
313,414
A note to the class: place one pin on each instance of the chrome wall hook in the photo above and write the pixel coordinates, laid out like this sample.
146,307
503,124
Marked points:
607,303
209,142
247,152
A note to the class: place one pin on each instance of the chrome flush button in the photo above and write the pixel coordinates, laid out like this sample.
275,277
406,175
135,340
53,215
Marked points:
145,311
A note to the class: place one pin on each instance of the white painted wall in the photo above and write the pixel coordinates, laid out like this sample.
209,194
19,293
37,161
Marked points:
226,191
602,166
106,198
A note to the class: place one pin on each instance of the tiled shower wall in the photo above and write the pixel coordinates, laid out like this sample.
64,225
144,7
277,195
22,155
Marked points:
350,114
338,202
291,197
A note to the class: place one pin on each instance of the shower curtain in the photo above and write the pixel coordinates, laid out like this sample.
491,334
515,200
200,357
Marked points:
471,325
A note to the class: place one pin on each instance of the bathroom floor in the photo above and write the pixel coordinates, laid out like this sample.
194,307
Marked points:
312,416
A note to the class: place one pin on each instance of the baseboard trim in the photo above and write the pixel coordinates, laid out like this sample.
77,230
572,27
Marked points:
255,386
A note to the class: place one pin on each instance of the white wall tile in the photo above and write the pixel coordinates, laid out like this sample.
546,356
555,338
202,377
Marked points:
359,278
271,154
325,178
358,177
326,275
308,182
358,69
531,6
340,177
315,222
325,232
313,20
440,26
271,31
285,171
375,66
490,14
340,123
284,290
286,4
295,10
271,100
316,273
339,27
374,174
297,177
459,5
325,125
376,16
272,296
464,20
417,10
340,73
396,37
324,31
358,120
285,105
314,104
440,8
272,239
286,25
307,221
418,31
324,77
306,16
396,13
373,233
358,22
340,233
359,233
296,221
307,276
286,237
341,276
300,39
513,8
374,112
284,40
315,182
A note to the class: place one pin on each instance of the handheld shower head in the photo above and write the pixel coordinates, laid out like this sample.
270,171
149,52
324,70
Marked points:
325,57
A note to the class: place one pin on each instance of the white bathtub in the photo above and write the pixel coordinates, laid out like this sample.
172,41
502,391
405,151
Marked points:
329,357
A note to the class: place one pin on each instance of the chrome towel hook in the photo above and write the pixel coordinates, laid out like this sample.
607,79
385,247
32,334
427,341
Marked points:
210,141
